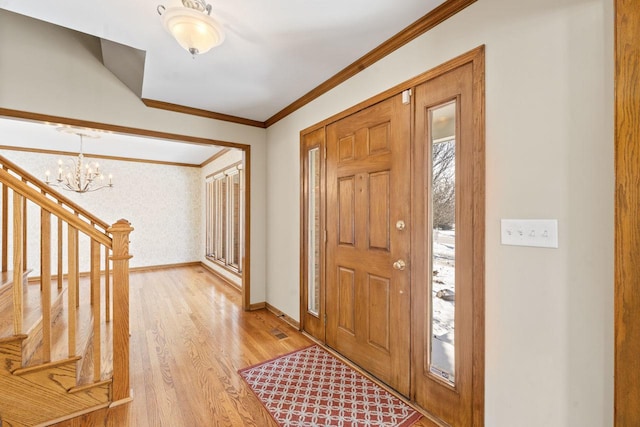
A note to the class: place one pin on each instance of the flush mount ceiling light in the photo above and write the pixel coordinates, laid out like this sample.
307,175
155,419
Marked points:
192,26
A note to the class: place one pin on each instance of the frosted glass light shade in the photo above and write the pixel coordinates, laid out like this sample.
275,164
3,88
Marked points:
194,30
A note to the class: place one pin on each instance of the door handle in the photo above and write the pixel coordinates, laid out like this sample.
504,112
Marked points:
399,264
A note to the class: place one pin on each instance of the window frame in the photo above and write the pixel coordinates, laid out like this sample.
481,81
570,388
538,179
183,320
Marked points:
224,223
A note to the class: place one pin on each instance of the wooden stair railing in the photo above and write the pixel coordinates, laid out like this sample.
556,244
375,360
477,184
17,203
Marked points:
110,240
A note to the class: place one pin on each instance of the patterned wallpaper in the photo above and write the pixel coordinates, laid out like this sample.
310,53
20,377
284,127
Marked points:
163,203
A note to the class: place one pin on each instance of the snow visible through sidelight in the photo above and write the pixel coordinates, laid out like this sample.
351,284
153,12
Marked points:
443,298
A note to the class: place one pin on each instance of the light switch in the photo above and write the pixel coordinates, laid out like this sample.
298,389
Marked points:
541,233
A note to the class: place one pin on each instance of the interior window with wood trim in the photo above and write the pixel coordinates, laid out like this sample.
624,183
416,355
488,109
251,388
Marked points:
224,207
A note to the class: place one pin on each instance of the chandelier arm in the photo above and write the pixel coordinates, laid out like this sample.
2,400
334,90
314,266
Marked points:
79,176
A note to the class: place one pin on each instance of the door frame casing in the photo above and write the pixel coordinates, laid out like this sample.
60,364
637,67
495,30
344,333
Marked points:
476,57
463,401
627,205
178,138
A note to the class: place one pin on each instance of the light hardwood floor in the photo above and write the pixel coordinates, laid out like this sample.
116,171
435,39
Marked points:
189,337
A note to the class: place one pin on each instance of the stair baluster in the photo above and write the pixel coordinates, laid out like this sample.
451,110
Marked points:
107,288
24,233
18,243
5,228
45,282
95,307
60,269
72,286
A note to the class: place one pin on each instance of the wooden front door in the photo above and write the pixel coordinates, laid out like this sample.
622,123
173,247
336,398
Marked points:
368,247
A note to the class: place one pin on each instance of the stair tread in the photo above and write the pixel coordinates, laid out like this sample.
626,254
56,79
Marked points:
84,325
32,310
6,285
6,278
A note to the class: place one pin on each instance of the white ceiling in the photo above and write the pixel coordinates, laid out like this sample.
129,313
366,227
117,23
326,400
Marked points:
275,52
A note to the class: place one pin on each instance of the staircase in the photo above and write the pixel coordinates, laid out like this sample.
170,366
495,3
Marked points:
64,335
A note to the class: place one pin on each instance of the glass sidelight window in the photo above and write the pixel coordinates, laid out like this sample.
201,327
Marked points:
224,208
313,230
443,240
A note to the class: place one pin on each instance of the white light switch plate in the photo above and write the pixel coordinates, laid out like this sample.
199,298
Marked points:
541,233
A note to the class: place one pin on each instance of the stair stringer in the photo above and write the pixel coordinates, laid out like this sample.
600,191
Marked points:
35,396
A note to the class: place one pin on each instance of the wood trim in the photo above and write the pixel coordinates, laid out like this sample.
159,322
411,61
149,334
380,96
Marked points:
282,315
479,225
246,266
421,26
256,306
96,156
304,155
46,203
121,310
419,79
72,288
227,268
311,324
463,405
89,386
144,269
45,284
162,266
95,308
224,169
177,108
75,414
61,198
12,338
627,205
121,402
219,276
215,157
5,227
27,115
43,366
18,244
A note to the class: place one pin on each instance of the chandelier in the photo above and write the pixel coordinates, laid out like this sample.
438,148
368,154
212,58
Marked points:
79,174
192,26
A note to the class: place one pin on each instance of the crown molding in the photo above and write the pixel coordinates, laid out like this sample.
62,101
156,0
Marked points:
419,27
201,113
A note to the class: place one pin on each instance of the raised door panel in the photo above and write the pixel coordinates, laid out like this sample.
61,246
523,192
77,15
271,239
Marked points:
378,218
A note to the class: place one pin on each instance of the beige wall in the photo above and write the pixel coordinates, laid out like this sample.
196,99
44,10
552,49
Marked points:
50,70
549,140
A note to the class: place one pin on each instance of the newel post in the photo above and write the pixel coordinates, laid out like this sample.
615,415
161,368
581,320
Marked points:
120,257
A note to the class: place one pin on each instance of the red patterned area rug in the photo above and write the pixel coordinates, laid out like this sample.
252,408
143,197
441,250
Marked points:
310,387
